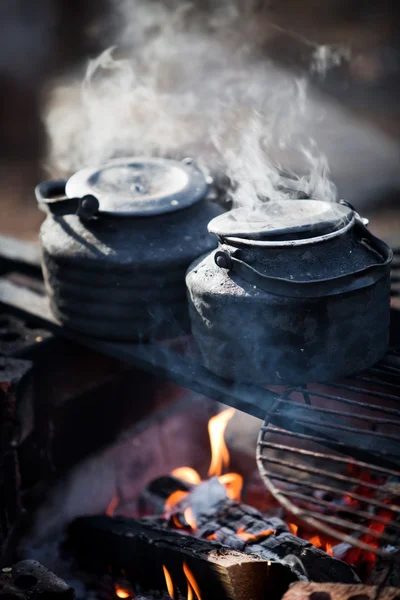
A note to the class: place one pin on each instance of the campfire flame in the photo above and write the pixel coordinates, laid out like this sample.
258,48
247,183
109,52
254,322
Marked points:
122,592
192,583
233,482
187,474
190,519
183,516
111,508
169,583
219,451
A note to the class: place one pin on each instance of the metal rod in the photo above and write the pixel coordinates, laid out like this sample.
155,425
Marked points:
322,473
341,508
327,488
331,457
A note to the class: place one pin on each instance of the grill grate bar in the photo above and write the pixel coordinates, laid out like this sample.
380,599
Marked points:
385,370
357,430
366,392
376,381
359,513
351,402
348,524
327,441
327,488
330,411
330,457
322,472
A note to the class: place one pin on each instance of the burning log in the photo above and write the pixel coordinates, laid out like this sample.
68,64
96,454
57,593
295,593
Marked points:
330,591
154,496
157,559
238,526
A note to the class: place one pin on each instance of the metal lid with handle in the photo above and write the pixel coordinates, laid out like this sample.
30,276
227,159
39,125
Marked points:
291,224
127,187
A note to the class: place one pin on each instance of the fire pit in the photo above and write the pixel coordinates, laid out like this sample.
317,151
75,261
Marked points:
329,455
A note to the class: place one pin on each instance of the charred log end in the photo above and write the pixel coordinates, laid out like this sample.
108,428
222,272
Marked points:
141,548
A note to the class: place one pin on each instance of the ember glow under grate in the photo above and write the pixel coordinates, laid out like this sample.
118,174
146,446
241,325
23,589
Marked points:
338,468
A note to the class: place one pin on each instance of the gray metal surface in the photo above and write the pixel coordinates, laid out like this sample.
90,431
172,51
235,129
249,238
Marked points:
140,186
124,278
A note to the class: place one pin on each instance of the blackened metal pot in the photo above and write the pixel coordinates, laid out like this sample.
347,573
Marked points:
117,242
298,291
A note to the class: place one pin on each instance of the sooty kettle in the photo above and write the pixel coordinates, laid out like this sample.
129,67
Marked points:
297,291
116,244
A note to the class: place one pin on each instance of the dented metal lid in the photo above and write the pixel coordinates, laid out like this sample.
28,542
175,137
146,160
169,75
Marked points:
140,186
286,220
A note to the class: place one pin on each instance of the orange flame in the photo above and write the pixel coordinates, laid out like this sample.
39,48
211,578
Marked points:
190,518
168,581
219,451
253,537
110,510
176,522
315,541
192,583
293,528
187,474
233,483
121,592
174,498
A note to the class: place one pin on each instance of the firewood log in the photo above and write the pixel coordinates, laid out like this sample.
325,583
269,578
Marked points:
142,547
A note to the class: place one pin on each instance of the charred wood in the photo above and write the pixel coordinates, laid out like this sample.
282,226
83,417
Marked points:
334,591
141,548
153,497
244,528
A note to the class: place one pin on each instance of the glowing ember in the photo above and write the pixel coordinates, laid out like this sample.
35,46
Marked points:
357,556
187,474
168,581
253,537
293,528
219,451
192,583
111,508
121,592
316,541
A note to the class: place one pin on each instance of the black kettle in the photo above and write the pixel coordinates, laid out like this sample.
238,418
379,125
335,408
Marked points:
116,244
298,291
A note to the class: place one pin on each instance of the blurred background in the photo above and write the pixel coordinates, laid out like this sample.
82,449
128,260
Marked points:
44,40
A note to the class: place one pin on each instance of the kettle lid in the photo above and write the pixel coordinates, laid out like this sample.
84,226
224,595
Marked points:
140,186
283,220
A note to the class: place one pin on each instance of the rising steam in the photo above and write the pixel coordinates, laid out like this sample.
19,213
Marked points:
189,82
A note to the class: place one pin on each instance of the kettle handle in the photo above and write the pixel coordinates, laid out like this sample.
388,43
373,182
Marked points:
225,259
51,197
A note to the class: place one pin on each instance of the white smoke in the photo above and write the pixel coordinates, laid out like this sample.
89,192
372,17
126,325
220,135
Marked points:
189,82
